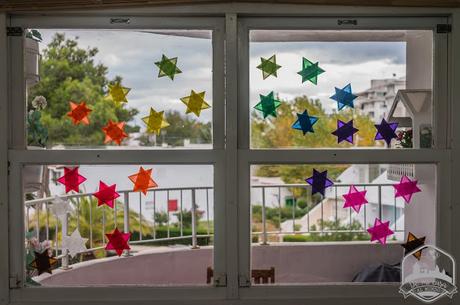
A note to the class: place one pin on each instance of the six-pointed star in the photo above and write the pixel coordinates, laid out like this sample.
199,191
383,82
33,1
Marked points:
155,121
355,199
268,66
344,97
413,243
79,113
345,131
386,131
118,241
106,194
406,188
319,182
304,122
380,231
71,179
74,243
195,102
268,104
143,180
310,71
168,67
117,93
61,207
43,262
114,132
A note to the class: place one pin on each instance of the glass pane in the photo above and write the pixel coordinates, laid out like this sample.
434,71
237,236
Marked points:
316,223
347,82
171,225
119,88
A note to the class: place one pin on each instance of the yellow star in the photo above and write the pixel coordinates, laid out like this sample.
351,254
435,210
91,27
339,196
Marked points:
117,93
195,102
155,121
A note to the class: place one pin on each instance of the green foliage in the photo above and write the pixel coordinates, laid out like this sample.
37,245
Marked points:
180,127
187,217
273,214
330,236
162,232
37,134
69,73
161,218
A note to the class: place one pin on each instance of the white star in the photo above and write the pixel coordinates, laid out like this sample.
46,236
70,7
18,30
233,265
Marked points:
61,207
74,243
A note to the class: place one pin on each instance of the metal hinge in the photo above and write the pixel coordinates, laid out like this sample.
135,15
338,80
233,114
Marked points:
14,31
244,281
444,28
15,282
220,280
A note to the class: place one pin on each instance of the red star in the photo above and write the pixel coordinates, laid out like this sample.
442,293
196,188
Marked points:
380,231
114,132
71,179
118,241
143,180
79,113
355,199
106,194
406,188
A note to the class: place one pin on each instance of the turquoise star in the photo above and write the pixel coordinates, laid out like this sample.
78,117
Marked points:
310,71
268,104
344,97
305,122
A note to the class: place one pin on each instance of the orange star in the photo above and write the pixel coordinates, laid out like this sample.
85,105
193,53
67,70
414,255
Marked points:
143,180
114,132
79,113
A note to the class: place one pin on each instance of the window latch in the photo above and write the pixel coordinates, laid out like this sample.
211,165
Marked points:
443,28
220,280
347,22
244,281
119,20
15,282
14,31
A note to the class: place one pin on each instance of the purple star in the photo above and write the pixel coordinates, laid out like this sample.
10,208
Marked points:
386,131
319,182
345,131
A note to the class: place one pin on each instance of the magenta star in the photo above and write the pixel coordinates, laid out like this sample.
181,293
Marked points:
406,188
380,231
386,131
355,199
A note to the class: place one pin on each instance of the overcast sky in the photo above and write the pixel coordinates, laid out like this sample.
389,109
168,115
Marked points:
131,55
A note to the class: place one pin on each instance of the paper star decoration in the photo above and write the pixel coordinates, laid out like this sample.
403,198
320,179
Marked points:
155,121
380,231
268,66
413,243
344,97
386,131
345,131
319,182
117,93
168,67
268,104
61,207
118,241
71,179
406,188
79,113
143,180
195,102
106,194
43,262
305,122
355,199
114,132
310,71
74,243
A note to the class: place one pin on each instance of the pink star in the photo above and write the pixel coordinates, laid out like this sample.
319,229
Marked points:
355,199
380,231
71,179
106,194
118,241
406,188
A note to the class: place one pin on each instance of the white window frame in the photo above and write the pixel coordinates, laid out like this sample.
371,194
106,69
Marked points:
232,181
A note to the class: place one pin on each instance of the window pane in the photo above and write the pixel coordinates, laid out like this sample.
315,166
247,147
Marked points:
171,226
120,76
317,238
347,82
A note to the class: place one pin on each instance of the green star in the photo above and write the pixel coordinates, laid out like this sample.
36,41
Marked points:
168,67
268,66
268,105
310,71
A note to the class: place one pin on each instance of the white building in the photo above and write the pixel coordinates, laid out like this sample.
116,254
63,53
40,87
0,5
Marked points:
377,100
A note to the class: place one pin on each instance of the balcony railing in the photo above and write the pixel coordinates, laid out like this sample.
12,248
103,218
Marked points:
42,206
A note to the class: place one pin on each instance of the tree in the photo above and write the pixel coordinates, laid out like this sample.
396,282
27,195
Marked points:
180,127
69,73
161,218
278,133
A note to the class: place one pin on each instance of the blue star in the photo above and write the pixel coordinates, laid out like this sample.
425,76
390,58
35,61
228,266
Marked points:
344,97
305,122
